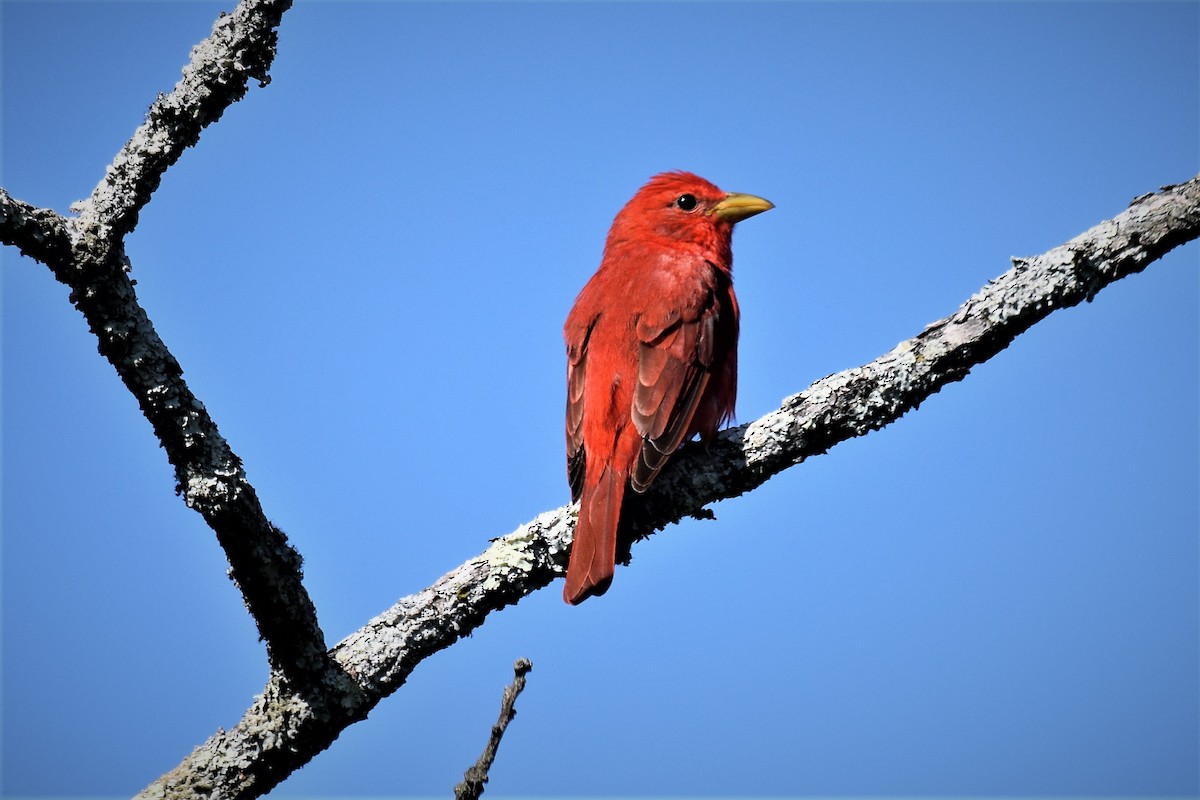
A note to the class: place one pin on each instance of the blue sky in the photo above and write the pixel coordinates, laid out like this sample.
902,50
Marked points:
364,269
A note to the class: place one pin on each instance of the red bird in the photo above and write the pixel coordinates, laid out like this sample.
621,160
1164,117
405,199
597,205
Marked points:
651,352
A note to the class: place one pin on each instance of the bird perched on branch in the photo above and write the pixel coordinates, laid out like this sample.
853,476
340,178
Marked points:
651,355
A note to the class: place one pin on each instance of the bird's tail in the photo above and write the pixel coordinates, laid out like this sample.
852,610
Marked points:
594,553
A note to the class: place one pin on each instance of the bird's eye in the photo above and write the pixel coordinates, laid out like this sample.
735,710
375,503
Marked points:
686,201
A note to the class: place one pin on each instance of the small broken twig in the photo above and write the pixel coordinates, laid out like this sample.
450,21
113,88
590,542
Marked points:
475,777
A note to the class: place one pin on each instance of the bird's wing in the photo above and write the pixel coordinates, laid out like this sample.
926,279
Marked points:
675,354
576,365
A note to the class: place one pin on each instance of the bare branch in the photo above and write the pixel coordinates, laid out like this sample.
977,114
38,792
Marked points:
208,473
474,779
380,656
87,254
39,233
241,47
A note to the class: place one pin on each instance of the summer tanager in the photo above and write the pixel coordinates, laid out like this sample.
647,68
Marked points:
651,352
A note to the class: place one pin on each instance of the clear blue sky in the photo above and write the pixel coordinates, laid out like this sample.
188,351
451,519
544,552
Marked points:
364,269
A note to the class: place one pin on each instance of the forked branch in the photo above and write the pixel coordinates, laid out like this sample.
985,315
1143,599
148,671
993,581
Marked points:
87,253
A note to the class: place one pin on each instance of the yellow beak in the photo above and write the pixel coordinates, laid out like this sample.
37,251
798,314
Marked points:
737,207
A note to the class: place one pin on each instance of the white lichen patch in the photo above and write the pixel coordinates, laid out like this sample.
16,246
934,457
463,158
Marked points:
508,554
763,436
204,488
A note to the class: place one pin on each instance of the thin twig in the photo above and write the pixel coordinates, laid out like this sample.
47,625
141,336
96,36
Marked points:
475,777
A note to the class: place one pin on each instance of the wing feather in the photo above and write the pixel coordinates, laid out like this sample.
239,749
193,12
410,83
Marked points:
674,364
576,372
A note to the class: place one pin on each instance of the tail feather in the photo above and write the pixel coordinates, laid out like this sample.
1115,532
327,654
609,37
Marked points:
594,553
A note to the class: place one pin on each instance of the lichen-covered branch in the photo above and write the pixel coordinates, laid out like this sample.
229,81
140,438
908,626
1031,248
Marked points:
261,751
380,656
39,233
208,474
87,253
862,399
241,48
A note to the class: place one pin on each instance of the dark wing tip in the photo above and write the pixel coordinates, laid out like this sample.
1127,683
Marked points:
574,595
576,468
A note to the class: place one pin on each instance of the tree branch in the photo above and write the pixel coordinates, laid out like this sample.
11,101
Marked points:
39,233
208,474
380,656
477,775
87,254
862,399
241,47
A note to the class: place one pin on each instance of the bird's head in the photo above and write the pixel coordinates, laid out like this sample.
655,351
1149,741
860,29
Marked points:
684,209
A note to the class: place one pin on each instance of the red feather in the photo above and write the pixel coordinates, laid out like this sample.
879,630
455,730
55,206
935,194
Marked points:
651,355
